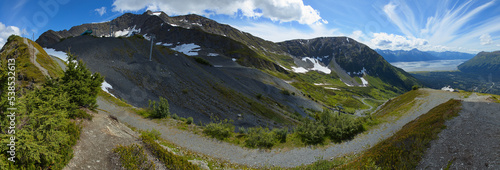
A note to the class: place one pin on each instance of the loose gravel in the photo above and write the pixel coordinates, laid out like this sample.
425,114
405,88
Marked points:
276,157
470,141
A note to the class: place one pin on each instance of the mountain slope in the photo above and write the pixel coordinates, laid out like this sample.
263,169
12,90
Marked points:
483,63
450,55
206,69
354,58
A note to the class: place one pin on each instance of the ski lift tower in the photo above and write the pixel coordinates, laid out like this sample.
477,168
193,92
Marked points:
151,50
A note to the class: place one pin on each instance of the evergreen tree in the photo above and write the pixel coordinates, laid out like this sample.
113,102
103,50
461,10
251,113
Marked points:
81,84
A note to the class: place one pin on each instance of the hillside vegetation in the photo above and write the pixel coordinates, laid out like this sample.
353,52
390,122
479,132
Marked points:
47,115
483,63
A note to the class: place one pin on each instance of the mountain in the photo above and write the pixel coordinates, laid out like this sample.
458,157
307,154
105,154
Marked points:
483,63
206,69
417,55
406,56
451,55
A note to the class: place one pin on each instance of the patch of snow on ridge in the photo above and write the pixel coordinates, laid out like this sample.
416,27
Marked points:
156,13
316,66
59,54
127,32
212,54
188,49
448,88
299,69
365,83
105,86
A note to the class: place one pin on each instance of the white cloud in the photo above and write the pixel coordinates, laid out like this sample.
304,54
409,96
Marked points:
6,31
278,33
452,24
485,39
357,35
396,42
101,11
276,10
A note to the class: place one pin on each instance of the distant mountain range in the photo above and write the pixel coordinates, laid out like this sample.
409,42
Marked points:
483,63
417,55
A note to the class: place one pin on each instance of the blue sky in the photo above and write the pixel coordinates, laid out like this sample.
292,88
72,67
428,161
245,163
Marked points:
466,26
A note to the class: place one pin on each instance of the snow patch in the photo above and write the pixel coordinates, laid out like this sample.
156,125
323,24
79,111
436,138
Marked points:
188,49
105,86
234,59
299,69
332,88
212,54
347,40
127,32
156,13
59,54
164,44
448,88
364,82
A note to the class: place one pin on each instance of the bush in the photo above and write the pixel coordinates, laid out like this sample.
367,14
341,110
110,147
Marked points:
189,120
281,134
170,160
415,87
81,84
285,92
160,109
311,132
202,61
260,137
133,157
340,127
174,116
154,134
220,130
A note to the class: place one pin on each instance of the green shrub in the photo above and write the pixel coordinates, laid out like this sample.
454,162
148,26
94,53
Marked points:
133,157
170,160
260,137
153,133
311,132
174,116
202,61
220,130
81,84
160,109
285,92
415,87
189,120
340,127
281,134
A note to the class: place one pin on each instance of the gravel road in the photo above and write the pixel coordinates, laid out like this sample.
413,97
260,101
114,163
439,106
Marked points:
470,141
276,157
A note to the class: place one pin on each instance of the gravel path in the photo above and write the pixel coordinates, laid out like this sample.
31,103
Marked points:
276,157
33,57
470,141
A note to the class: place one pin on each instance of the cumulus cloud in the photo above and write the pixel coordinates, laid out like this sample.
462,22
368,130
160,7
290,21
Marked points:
101,11
276,10
357,35
6,31
397,42
485,39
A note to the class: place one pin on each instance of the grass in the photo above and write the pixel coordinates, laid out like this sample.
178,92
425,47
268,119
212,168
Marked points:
395,107
405,148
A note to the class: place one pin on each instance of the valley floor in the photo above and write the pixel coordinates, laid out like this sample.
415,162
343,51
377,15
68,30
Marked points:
276,157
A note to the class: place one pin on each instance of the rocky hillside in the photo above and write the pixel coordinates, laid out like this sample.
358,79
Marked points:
348,58
207,69
483,63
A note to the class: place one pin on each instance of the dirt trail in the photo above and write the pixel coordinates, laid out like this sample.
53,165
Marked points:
33,57
470,141
97,140
276,157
